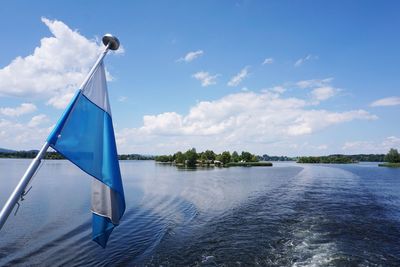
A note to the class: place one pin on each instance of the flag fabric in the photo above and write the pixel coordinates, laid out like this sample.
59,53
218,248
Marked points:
85,136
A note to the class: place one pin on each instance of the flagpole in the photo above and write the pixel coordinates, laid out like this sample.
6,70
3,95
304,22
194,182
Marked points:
111,42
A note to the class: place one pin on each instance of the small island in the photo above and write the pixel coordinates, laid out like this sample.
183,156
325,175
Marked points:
208,158
392,159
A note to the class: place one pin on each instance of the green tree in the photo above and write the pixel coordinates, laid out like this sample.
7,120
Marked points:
203,158
235,157
225,157
191,157
179,157
254,158
209,154
246,156
392,156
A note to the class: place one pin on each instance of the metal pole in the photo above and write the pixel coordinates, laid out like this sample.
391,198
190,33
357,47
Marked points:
103,54
19,190
110,42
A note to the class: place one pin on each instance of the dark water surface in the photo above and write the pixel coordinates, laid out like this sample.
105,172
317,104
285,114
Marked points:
287,215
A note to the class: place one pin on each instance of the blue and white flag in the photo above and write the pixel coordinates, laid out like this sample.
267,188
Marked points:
85,136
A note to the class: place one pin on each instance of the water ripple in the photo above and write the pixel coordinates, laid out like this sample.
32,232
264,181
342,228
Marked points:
313,215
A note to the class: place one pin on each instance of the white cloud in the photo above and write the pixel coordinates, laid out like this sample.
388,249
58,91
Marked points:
245,120
205,78
278,89
388,101
323,93
314,83
189,57
20,136
54,70
238,78
313,120
268,61
23,109
38,120
302,60
168,123
122,99
320,89
61,101
375,146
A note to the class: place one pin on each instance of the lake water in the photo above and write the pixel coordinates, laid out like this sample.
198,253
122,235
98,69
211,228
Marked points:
287,215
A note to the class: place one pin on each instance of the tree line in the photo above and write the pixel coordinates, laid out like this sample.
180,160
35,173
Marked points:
392,157
326,159
266,157
209,156
135,157
30,154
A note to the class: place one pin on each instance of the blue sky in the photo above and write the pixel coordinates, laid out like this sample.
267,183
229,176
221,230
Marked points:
276,77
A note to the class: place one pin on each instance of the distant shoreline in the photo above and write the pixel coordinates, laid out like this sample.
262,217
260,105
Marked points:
56,156
342,159
30,154
390,165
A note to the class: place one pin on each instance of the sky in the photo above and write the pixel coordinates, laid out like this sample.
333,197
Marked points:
270,77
